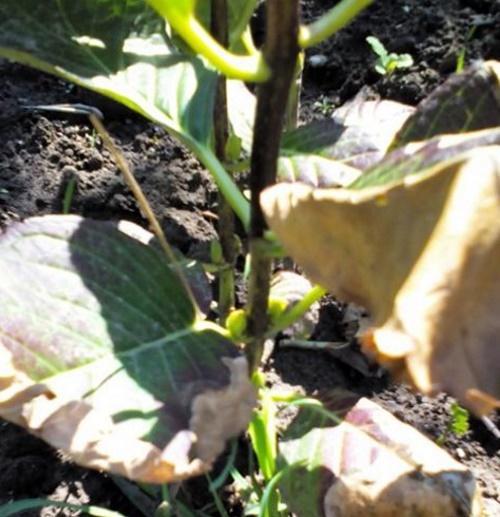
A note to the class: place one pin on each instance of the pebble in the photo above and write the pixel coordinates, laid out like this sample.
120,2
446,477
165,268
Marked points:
317,60
69,170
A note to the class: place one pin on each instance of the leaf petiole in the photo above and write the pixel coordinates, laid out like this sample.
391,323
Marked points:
180,16
225,182
291,315
331,22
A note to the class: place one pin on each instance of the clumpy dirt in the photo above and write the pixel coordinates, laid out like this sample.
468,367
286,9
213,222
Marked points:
41,153
435,33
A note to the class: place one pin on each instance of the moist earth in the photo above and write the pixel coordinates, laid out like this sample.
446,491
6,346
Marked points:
41,154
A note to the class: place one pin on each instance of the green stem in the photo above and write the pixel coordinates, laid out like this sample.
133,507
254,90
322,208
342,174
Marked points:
293,106
241,26
181,17
247,41
290,316
270,498
225,183
263,435
331,22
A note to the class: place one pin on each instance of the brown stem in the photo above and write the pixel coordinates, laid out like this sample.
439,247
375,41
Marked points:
226,226
143,204
280,51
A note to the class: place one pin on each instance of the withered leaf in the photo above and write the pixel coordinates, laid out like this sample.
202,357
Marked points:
422,253
104,356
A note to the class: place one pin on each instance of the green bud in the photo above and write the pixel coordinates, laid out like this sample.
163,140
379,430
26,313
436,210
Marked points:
236,324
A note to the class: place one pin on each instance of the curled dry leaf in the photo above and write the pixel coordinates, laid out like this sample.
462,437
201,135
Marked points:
373,464
422,253
104,355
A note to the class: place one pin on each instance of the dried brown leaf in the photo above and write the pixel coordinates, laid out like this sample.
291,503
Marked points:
89,435
423,255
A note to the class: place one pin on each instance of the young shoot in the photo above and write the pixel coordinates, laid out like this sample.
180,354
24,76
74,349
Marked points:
388,62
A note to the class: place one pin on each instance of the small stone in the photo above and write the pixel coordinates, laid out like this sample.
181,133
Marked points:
69,171
460,453
401,399
317,60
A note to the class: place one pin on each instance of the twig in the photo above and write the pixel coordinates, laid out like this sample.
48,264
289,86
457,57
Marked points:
144,205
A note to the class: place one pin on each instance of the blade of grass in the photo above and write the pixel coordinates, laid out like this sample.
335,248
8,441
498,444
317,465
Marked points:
143,502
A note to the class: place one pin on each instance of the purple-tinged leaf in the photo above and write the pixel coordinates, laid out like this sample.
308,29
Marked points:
331,153
372,460
417,157
469,101
104,356
358,134
315,171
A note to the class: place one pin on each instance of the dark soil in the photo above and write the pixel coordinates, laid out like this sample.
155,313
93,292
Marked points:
40,154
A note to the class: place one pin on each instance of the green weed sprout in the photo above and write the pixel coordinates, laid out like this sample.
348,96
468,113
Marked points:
459,422
388,62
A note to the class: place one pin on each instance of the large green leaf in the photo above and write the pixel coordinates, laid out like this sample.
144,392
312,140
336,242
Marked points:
100,345
117,48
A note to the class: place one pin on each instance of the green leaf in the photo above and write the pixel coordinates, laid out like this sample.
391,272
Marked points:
381,68
117,48
377,46
469,101
459,424
404,60
95,323
241,108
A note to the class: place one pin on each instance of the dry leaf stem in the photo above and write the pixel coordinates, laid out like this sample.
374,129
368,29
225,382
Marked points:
280,52
143,204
